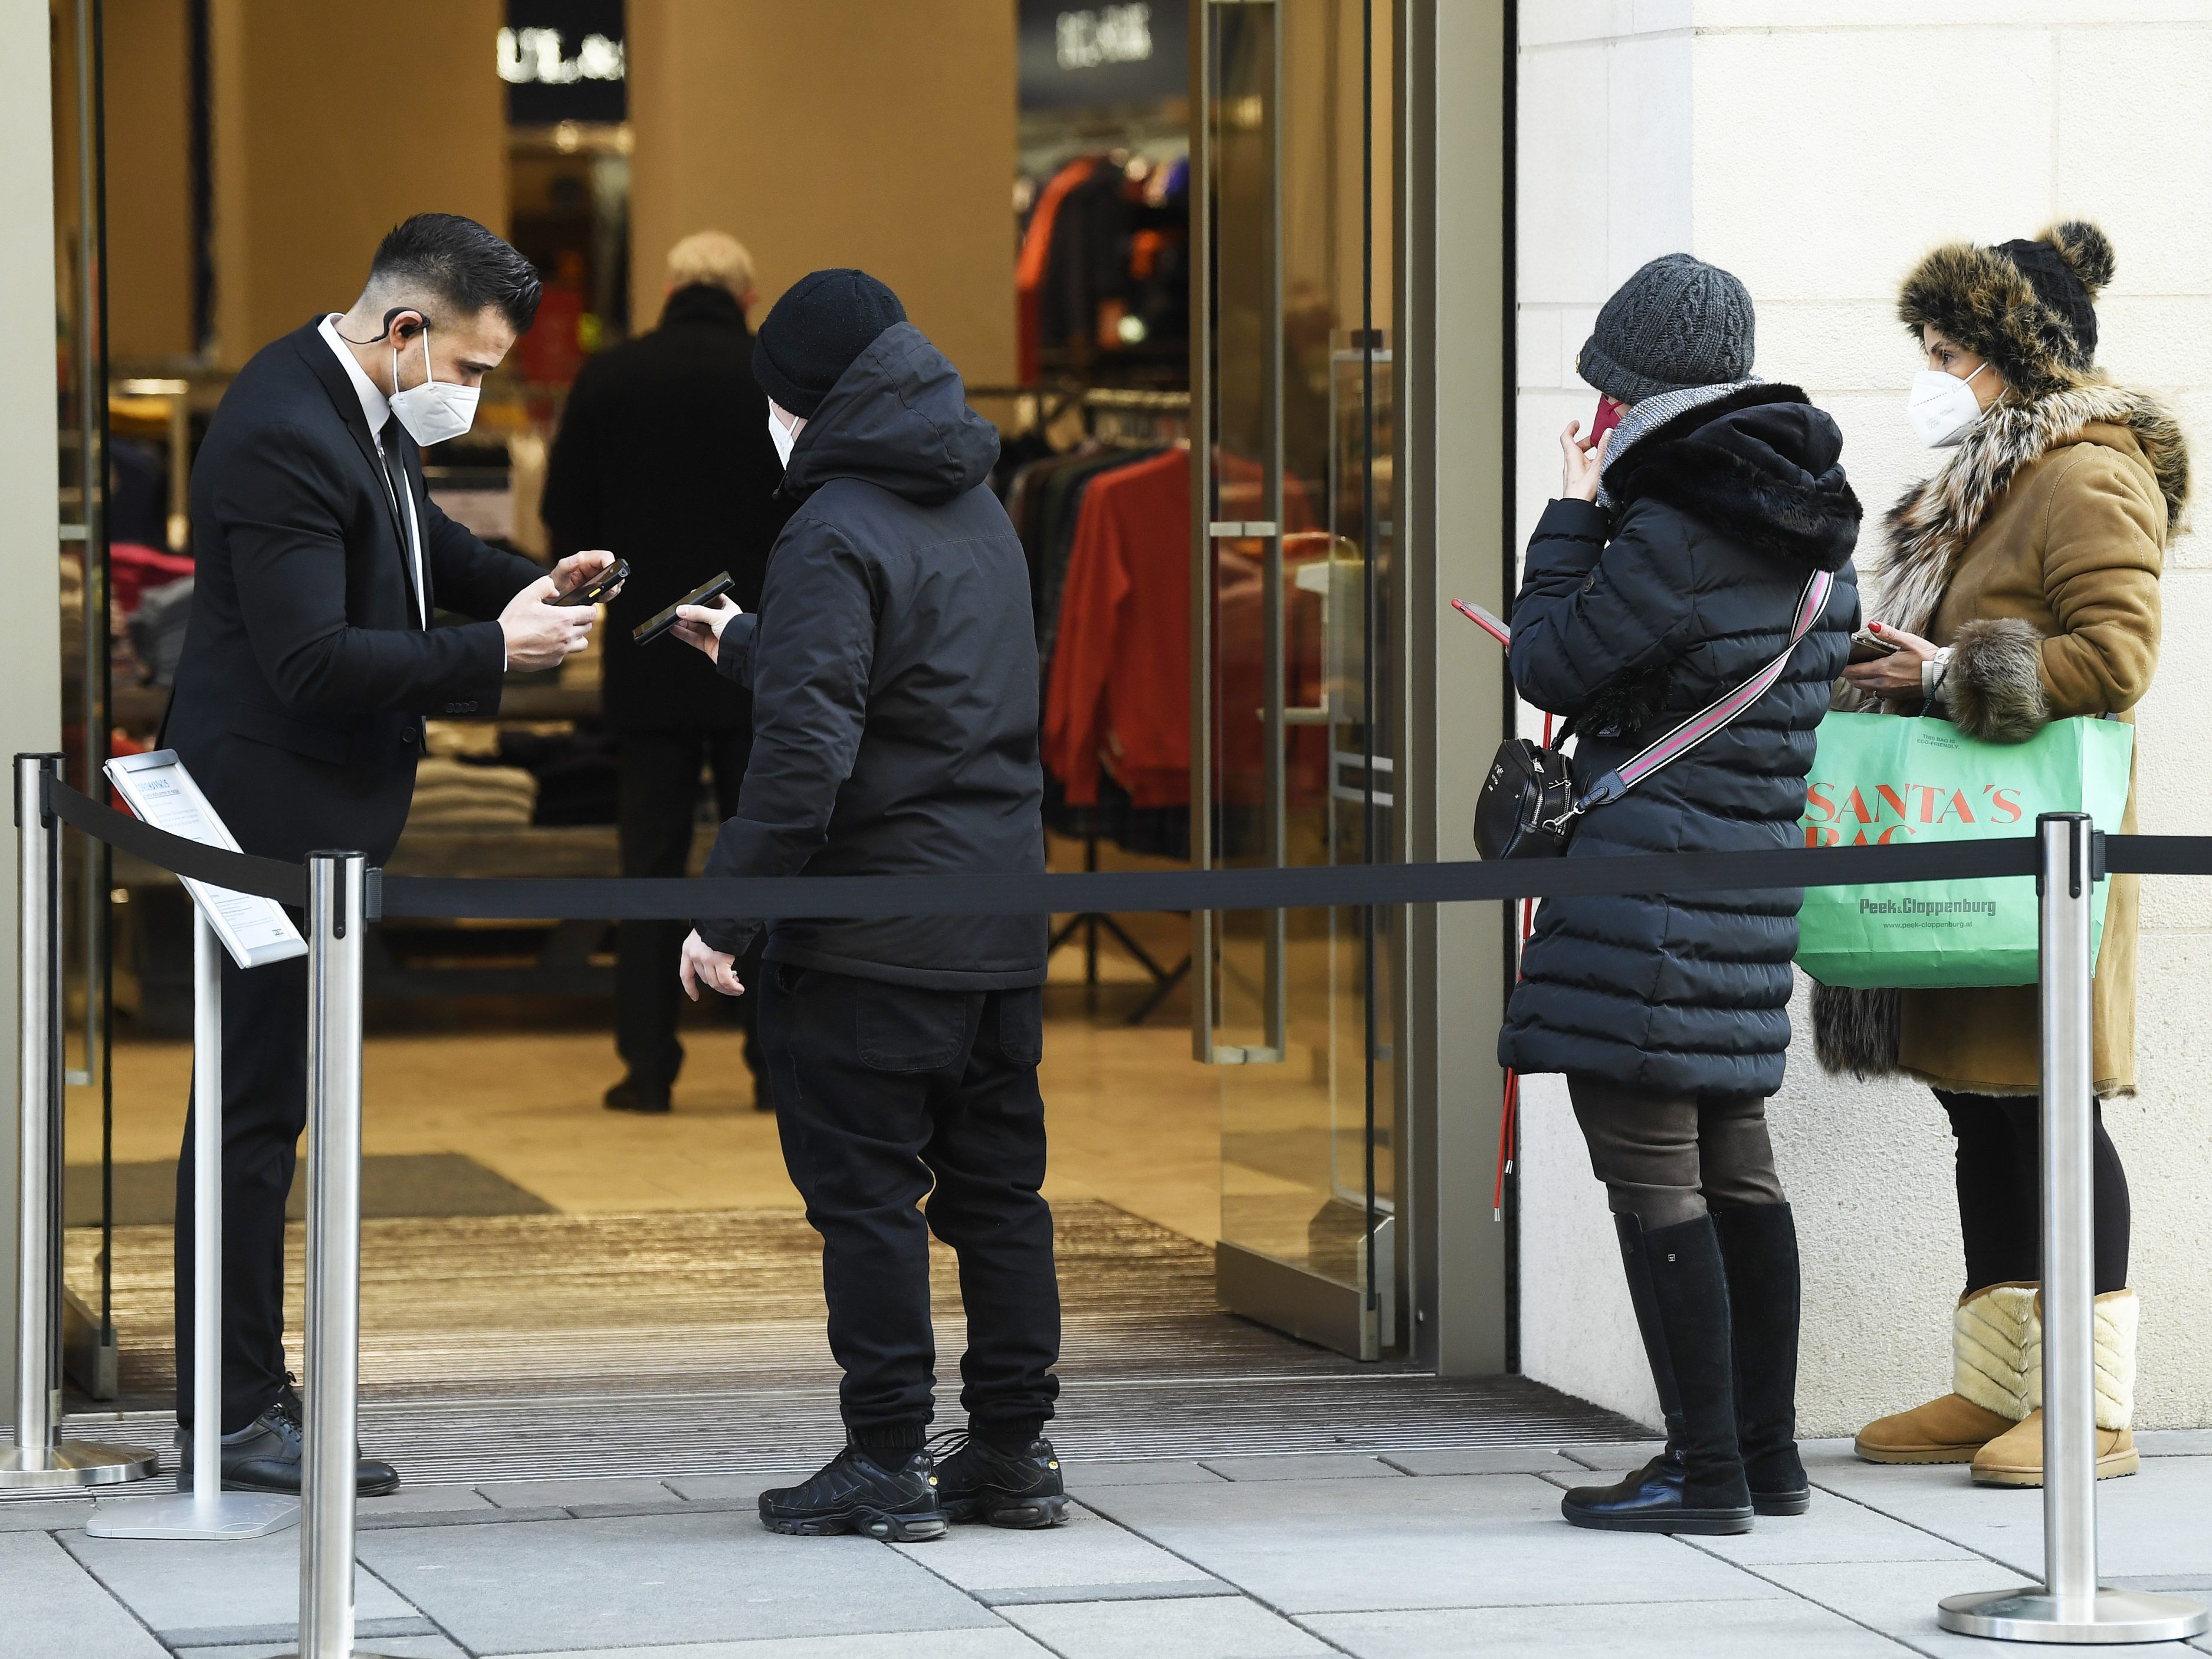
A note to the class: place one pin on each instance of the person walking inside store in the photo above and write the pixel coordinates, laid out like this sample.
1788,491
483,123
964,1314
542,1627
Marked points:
663,458
2020,585
308,666
1670,572
893,670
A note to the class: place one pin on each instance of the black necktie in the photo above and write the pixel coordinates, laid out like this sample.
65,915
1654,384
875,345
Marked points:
395,482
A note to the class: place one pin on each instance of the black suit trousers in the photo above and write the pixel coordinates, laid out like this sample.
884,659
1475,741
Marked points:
265,1111
887,1093
657,795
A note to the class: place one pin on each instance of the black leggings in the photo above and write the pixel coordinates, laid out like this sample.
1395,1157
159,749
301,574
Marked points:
2001,1191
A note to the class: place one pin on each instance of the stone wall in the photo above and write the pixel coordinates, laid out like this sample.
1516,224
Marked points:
1815,147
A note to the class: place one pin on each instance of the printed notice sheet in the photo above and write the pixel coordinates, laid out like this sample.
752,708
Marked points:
158,789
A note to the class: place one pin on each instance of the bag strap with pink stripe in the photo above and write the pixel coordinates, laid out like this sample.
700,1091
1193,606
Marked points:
1715,714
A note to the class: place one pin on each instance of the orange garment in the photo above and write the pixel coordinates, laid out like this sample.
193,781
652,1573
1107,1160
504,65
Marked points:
1118,697
1035,255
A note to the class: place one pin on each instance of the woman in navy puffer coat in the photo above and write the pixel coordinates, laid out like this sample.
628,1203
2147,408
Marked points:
1641,603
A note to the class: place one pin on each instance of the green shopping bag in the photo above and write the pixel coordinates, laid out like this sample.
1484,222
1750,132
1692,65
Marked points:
1888,779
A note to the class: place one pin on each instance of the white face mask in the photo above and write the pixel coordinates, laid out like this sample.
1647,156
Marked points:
783,437
436,409
1942,408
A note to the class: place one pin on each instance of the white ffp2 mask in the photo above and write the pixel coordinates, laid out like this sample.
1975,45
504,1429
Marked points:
1943,407
783,437
436,409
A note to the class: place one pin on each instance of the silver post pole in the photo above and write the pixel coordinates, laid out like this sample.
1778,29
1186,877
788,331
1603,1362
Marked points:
207,1212
2068,1606
39,1457
337,883
207,1511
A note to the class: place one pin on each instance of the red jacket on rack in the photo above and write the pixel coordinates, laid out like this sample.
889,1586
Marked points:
1118,698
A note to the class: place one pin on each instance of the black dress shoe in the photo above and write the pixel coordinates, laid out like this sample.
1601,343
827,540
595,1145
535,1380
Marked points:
632,1096
265,1454
978,1481
852,1492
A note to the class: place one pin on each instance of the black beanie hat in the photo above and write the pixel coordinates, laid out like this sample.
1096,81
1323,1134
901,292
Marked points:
813,334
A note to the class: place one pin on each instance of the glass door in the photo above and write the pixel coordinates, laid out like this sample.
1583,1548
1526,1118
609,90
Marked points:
1293,753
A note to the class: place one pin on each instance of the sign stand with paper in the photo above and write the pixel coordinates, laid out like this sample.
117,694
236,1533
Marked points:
254,931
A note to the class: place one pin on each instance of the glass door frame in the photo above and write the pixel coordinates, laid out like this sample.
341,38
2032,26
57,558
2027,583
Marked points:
1446,1260
1363,1318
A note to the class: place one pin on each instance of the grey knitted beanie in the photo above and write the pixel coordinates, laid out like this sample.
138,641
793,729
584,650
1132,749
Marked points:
1676,324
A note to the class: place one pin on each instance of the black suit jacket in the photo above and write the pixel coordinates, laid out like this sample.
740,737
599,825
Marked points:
663,457
306,671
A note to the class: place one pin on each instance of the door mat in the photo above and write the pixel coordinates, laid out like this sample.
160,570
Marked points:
393,1185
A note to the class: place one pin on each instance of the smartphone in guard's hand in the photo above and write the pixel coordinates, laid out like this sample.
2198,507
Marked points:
590,592
646,632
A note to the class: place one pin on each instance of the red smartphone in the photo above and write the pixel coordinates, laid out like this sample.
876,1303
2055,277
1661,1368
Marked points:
1607,418
1482,619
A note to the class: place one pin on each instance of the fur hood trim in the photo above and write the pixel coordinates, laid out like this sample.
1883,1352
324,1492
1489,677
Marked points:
1930,527
1983,300
1759,465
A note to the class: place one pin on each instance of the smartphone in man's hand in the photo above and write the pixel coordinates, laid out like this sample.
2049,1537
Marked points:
594,589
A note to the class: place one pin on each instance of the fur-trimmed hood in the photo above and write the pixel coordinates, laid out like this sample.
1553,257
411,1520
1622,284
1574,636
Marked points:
1932,523
1759,465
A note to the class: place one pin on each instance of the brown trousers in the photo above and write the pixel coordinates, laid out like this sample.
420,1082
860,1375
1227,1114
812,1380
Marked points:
1667,1159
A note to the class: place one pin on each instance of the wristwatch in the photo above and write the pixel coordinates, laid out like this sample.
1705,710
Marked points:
1932,669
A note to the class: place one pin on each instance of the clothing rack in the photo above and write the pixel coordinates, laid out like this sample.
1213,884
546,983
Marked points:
1123,414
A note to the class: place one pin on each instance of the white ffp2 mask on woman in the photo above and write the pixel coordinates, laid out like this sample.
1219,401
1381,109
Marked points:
1943,407
436,409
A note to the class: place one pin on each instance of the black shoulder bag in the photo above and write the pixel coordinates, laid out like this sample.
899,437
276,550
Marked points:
1528,805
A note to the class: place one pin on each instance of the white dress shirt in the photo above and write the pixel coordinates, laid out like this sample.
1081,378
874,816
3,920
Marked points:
377,408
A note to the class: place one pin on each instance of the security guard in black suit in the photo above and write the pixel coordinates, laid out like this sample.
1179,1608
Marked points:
308,668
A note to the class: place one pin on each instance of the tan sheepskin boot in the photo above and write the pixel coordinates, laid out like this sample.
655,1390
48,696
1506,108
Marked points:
2015,1457
1992,1335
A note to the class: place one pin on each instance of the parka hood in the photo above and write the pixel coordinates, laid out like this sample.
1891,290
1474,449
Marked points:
898,418
1760,464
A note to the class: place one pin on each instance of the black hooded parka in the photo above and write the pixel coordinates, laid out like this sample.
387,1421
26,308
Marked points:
893,668
1630,625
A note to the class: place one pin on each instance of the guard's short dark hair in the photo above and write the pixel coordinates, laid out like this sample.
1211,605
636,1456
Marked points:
457,260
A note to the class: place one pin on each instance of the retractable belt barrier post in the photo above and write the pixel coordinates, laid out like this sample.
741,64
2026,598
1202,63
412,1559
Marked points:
40,1456
2069,1606
337,885
207,1510
2066,855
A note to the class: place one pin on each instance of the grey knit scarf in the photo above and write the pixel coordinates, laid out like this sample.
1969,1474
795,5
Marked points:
1652,413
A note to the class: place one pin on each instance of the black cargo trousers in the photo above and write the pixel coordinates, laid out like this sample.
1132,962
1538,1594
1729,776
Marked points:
885,1093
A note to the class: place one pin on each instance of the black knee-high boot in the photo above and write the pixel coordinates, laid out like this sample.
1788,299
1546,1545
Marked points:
1758,1249
1679,1292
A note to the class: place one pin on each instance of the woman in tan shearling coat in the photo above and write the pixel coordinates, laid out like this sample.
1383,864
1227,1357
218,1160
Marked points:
2020,585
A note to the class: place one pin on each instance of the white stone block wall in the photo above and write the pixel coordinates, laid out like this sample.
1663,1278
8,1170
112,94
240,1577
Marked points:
1816,147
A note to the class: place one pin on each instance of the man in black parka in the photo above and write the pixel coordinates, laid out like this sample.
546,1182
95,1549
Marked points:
894,673
664,458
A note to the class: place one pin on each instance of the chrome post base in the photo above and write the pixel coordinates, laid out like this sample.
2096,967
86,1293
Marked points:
194,1515
73,1463
2111,1616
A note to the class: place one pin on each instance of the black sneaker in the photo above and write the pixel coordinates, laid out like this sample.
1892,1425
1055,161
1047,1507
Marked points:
978,1481
854,1493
